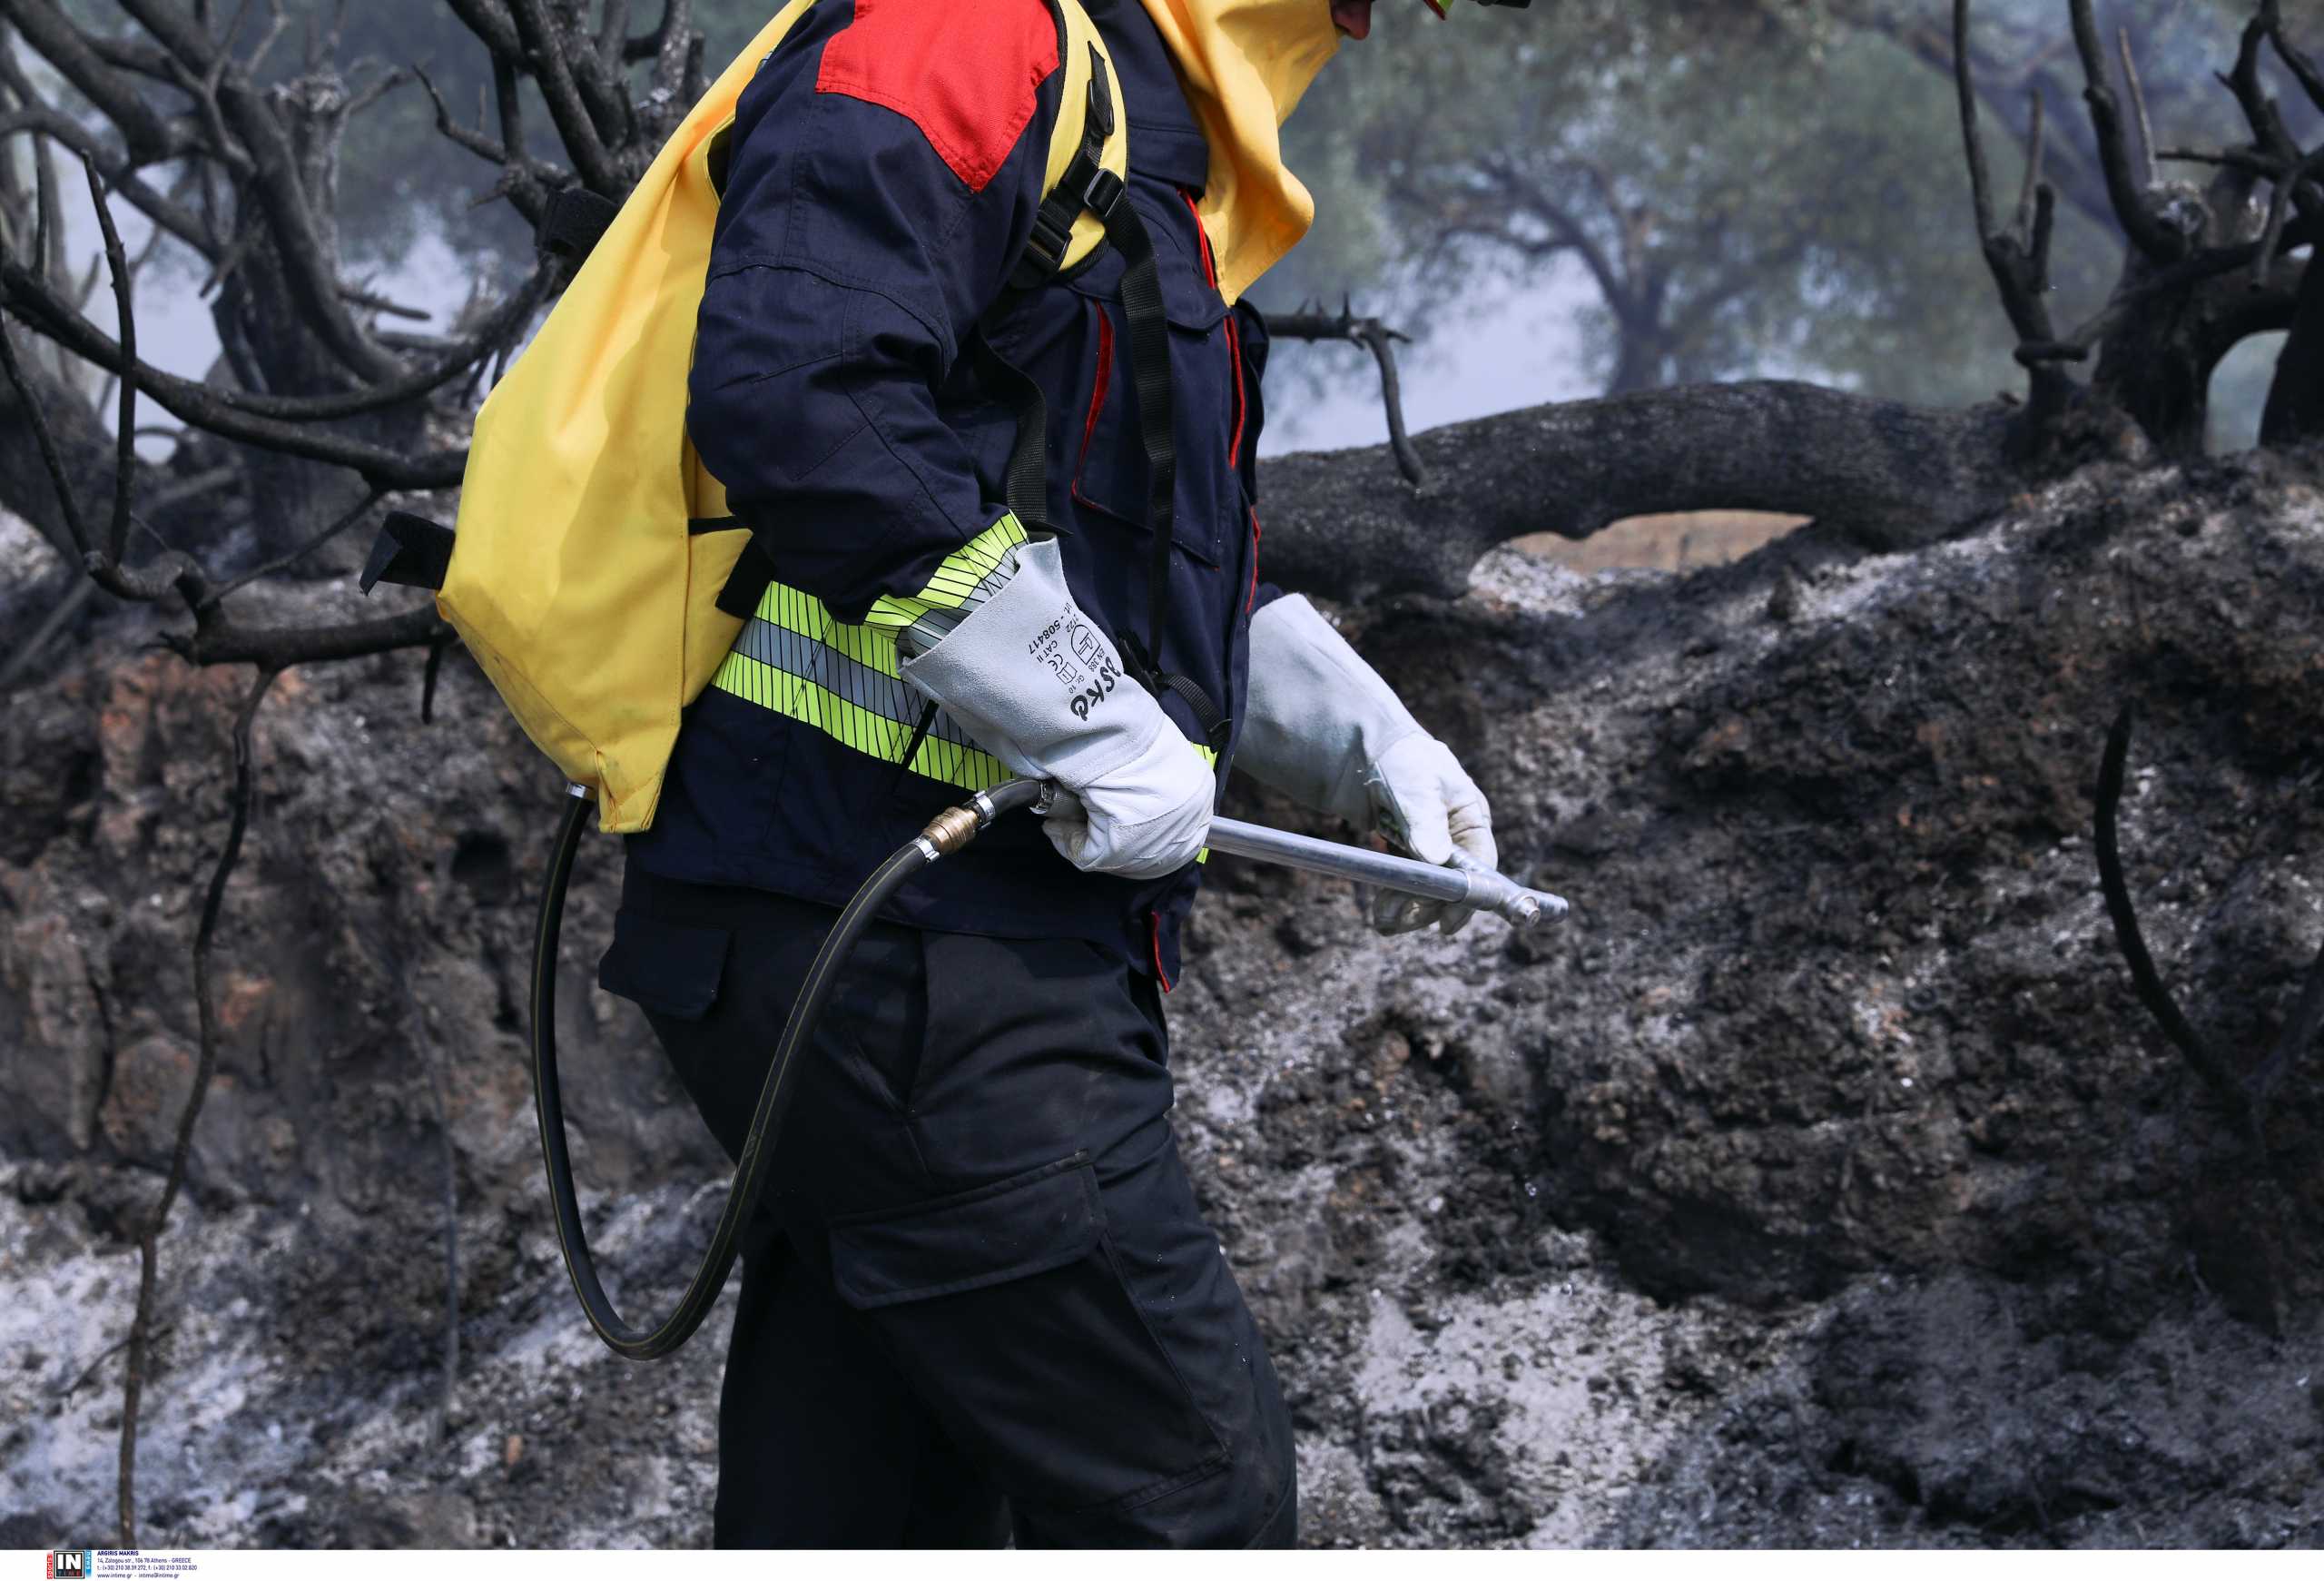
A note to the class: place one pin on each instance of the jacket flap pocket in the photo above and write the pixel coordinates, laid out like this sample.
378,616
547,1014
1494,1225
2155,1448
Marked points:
666,967
1010,1230
1189,299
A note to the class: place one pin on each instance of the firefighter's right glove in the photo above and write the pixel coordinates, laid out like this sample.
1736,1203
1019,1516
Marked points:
1040,686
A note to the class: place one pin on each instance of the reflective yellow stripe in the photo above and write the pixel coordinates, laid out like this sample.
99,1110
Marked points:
809,703
955,579
794,658
804,614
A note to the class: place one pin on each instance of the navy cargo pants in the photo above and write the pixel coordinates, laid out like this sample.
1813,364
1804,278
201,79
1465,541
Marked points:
977,1300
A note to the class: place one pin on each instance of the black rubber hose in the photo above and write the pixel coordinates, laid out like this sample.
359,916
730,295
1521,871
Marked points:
942,838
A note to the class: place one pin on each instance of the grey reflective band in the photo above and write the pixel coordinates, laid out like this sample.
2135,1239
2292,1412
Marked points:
842,681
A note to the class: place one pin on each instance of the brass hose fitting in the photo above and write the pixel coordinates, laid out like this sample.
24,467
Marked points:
951,830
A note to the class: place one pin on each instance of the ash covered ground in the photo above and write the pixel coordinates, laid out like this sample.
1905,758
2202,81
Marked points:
1820,1182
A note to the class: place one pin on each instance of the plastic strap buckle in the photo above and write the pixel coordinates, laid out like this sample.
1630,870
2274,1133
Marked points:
1103,193
1052,234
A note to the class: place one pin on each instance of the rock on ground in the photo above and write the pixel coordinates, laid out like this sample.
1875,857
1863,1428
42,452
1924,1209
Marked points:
1819,1182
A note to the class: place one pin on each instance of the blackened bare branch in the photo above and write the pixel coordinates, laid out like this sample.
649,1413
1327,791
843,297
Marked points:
2303,70
2133,204
205,936
221,641
45,436
2215,1072
229,415
152,137
2280,206
1345,524
1981,180
551,69
2034,214
431,675
2295,408
280,197
36,119
613,33
284,562
2018,258
2140,117
125,476
448,124
1379,340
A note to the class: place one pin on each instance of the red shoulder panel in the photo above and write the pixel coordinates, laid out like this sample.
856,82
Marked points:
967,72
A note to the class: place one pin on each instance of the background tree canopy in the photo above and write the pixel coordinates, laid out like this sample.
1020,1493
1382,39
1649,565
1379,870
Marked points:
1712,189
1725,190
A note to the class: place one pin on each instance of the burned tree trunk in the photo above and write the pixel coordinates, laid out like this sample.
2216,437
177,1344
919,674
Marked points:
1344,524
2295,410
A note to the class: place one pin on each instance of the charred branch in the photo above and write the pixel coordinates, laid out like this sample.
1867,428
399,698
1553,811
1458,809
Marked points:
2304,71
272,185
545,48
246,796
2245,1097
125,476
2144,979
2295,409
2161,236
74,539
1344,524
1379,340
2019,255
223,413
151,137
2201,273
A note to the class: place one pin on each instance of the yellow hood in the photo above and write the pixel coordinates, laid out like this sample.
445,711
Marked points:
1244,65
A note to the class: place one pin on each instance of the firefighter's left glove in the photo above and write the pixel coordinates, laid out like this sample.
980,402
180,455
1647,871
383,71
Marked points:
1040,686
1321,726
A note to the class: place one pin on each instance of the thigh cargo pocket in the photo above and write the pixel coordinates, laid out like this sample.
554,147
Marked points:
1006,1309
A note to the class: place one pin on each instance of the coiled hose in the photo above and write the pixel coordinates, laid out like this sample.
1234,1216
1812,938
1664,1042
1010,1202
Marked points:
951,832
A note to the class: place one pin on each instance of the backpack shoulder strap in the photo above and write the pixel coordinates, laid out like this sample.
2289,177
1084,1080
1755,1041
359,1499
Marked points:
1088,154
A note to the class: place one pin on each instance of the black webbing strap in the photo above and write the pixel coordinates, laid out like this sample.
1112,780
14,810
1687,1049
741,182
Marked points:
912,747
1028,462
574,222
1089,186
1149,364
747,583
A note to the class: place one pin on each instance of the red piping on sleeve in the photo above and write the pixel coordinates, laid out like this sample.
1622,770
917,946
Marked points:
1160,975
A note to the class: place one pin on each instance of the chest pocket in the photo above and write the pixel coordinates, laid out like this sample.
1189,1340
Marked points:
1108,461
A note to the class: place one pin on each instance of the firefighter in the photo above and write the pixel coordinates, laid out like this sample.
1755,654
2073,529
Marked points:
978,1303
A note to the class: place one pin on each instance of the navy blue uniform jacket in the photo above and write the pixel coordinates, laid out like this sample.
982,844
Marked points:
886,167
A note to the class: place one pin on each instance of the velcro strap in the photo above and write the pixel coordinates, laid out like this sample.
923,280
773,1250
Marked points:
575,220
411,551
746,584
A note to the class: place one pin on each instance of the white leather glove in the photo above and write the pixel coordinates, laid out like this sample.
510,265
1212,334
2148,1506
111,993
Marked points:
1039,686
1322,727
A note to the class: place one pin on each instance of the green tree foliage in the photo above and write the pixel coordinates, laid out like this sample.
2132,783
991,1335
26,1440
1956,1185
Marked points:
1776,187
1735,187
